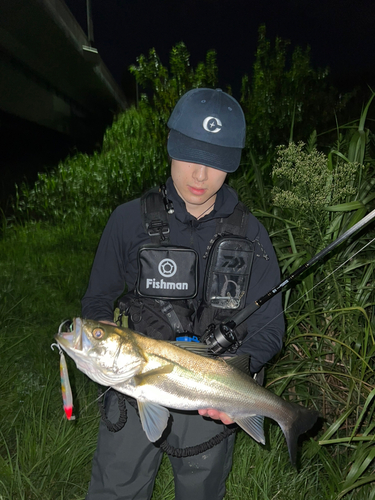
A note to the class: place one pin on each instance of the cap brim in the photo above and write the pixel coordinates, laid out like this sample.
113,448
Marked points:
183,148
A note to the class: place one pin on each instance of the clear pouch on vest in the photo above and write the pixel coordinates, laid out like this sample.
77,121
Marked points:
228,272
167,272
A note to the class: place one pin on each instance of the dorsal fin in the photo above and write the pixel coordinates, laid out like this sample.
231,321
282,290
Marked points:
241,363
194,347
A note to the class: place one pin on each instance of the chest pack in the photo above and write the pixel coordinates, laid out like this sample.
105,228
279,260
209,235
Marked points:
162,305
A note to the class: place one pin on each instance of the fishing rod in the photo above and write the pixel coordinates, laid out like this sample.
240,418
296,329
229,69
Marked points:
220,338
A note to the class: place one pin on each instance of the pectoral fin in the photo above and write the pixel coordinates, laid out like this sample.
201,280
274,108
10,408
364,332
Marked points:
154,419
147,377
253,425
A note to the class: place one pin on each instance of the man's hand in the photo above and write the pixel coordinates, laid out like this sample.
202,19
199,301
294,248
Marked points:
216,415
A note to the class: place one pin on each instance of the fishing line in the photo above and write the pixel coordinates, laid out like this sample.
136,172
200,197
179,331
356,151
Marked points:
99,397
312,288
95,400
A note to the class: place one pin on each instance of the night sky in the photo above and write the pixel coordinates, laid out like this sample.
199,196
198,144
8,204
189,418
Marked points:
340,33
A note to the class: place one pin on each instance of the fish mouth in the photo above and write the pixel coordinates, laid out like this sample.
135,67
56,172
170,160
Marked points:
71,338
70,335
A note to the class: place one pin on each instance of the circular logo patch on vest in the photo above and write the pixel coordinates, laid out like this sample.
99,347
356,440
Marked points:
212,124
167,268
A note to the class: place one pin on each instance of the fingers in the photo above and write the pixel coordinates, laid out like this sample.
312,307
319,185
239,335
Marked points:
216,415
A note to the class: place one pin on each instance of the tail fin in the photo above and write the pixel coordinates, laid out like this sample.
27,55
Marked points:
302,420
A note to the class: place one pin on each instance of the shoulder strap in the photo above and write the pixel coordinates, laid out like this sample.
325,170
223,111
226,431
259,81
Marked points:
154,216
236,223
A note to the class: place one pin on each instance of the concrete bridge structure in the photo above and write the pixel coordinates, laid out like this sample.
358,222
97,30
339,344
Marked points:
56,94
49,73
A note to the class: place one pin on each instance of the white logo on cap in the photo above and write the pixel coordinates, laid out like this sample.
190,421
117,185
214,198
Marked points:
167,268
212,124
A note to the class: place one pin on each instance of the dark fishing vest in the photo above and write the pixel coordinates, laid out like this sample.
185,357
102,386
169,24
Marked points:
161,305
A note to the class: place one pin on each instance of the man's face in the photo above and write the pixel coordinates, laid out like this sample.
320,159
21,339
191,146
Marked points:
196,184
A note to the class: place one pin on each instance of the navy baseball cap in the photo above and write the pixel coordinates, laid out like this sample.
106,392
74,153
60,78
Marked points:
207,126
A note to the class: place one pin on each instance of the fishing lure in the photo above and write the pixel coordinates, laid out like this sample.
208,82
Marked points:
65,385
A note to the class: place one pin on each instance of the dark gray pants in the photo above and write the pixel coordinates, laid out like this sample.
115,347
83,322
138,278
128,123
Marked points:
125,463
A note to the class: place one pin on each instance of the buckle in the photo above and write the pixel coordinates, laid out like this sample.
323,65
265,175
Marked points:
158,228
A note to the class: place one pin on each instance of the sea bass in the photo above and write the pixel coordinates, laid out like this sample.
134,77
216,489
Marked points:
162,375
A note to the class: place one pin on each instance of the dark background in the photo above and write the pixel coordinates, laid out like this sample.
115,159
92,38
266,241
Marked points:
340,34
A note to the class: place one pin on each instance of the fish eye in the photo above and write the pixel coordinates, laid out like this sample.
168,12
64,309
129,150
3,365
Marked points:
97,333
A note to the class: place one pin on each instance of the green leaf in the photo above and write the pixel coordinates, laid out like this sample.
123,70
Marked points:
346,207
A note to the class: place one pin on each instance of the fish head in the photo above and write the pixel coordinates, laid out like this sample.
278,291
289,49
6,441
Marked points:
107,354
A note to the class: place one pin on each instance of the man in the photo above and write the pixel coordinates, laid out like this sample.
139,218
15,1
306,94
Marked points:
207,134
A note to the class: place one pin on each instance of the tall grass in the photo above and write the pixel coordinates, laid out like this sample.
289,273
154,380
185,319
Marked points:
330,345
43,273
